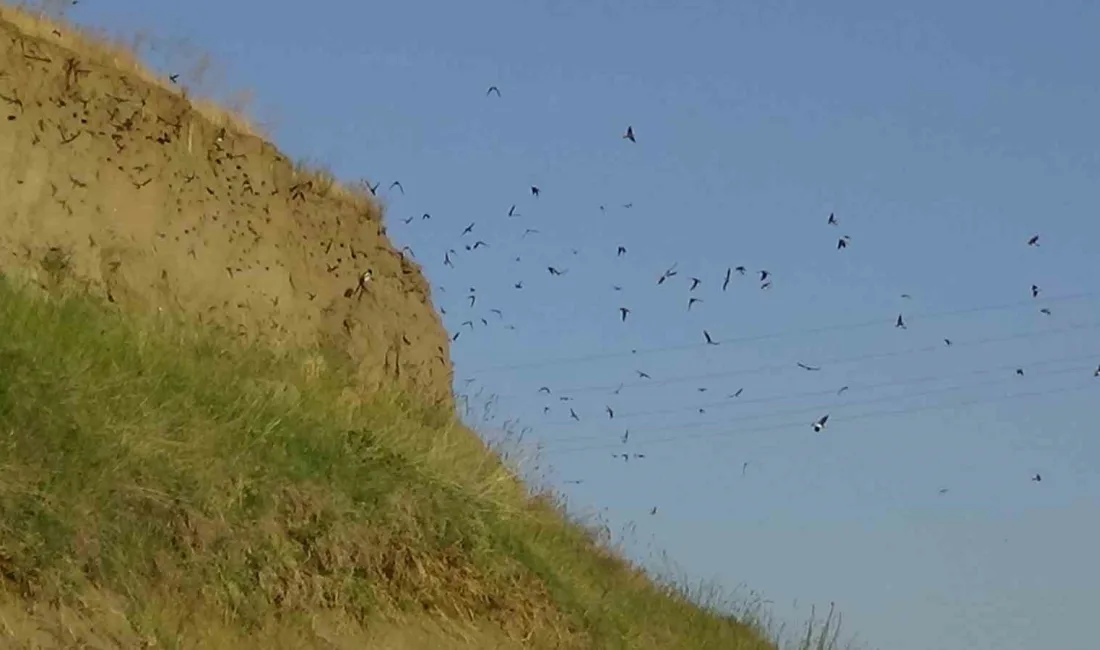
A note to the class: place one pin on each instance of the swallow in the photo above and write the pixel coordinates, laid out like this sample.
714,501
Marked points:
469,229
832,219
1044,310
671,271
738,393
545,389
573,414
766,285
842,242
710,341
398,185
492,89
535,190
408,221
805,367
900,323
512,211
1034,291
695,282
497,312
764,275
470,323
820,424
726,282
842,390
623,311
1034,241
947,341
740,269
478,244
621,251
425,216
642,374
629,135
518,285
554,271
1036,478
626,436
473,299
1020,372
610,413
692,301
447,260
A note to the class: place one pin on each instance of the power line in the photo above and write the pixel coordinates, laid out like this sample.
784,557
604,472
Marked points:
876,322
802,424
818,408
732,402
655,383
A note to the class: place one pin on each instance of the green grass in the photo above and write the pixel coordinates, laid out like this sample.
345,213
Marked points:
192,481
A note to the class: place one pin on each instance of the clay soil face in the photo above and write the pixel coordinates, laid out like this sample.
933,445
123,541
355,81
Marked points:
115,183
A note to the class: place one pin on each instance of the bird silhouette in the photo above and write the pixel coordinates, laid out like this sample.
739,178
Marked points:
610,413
621,251
900,323
820,424
695,282
535,190
764,275
1034,291
468,229
805,367
643,375
398,185
573,414
492,89
726,282
1034,241
623,311
710,341
1037,477
842,242
692,301
512,211
554,271
832,219
629,135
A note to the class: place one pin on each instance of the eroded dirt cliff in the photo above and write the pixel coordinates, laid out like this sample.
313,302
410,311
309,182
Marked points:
117,182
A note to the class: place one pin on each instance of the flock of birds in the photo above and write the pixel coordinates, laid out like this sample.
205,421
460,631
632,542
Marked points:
469,241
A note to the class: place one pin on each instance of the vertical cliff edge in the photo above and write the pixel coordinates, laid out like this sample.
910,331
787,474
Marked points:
119,183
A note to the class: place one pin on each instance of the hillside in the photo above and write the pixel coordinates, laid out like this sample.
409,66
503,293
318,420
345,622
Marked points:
214,438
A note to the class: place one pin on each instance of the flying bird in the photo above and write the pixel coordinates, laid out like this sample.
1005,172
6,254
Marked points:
478,244
573,414
554,271
1020,372
832,219
842,390
623,311
692,301
610,413
820,424
535,190
740,269
842,242
1036,478
694,283
947,341
643,375
1034,241
1034,291
710,341
629,135
398,185
545,389
1044,310
763,275
900,323
1097,373
671,271
468,229
492,89
738,393
726,282
805,367
621,251
512,211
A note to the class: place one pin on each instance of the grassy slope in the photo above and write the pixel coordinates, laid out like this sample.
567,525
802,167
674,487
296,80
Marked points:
155,482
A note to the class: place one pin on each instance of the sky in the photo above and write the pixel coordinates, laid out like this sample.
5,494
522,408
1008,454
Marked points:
942,135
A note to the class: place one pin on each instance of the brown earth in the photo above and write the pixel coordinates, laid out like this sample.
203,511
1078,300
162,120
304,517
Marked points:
122,185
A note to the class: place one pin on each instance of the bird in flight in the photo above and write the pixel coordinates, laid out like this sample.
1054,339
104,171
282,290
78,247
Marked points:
1034,291
554,271
692,301
671,271
629,135
573,414
842,242
1036,478
738,393
545,389
512,211
947,341
492,89
643,375
1034,241
398,185
468,229
726,282
710,341
820,424
764,275
832,219
842,389
610,413
623,311
1097,373
621,251
1044,310
694,283
740,269
535,190
1020,372
805,367
900,323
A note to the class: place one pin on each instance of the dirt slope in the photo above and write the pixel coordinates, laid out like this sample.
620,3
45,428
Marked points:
120,184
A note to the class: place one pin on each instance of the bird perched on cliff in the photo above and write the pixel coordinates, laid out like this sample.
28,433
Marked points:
364,280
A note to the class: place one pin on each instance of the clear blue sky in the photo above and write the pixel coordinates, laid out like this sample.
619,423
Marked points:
942,134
